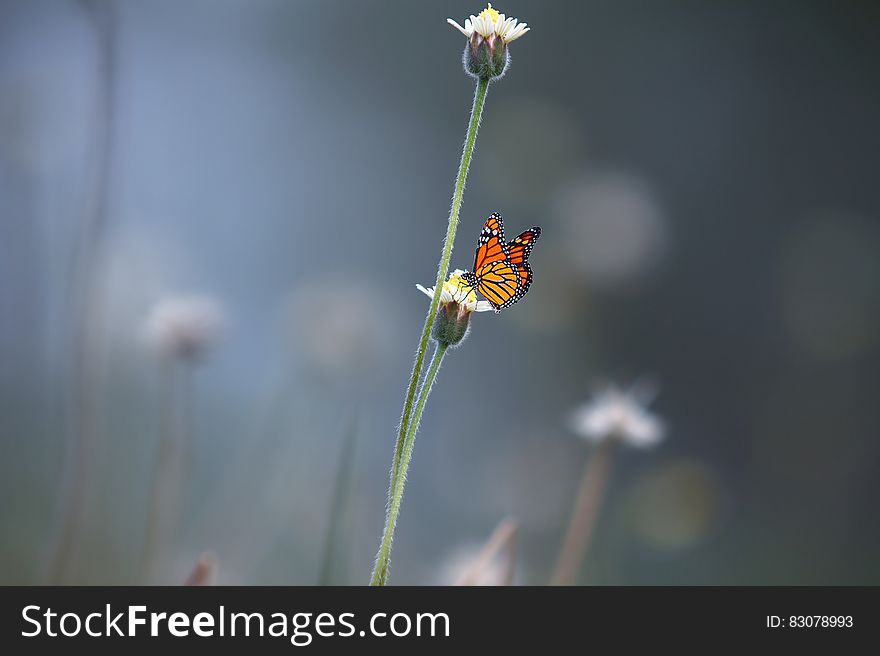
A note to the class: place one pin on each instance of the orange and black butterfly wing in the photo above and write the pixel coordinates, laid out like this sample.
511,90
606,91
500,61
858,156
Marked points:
491,246
501,283
502,273
519,249
524,271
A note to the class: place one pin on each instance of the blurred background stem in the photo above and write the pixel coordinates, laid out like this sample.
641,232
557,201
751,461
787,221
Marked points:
80,409
159,481
584,513
482,88
339,505
173,464
504,535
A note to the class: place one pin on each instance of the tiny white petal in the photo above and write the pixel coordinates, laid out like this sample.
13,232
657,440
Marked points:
487,27
463,30
477,24
503,28
517,32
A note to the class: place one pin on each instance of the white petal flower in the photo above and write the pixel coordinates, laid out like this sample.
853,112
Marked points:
184,327
490,23
455,290
621,415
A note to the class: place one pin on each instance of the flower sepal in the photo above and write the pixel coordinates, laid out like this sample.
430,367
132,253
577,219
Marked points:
485,58
452,324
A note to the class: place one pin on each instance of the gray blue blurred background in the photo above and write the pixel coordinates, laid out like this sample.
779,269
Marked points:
705,174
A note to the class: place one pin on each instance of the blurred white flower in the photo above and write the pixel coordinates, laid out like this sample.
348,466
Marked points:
456,290
184,327
460,563
490,23
615,414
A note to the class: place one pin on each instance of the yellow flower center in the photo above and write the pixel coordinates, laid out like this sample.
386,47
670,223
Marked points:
489,13
460,290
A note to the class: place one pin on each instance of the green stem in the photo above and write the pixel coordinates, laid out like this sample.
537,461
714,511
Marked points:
380,573
442,270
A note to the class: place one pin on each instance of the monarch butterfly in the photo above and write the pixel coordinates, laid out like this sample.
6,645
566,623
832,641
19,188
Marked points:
501,269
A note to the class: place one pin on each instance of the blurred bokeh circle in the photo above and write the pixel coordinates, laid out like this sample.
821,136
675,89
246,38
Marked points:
613,228
675,504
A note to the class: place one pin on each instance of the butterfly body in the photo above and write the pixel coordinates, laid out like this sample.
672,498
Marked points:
502,272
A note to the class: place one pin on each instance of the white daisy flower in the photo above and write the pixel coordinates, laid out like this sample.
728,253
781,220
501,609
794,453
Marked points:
458,301
184,327
488,34
615,414
490,23
455,290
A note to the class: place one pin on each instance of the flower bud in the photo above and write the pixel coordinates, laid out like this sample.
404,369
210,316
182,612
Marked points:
485,58
452,324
